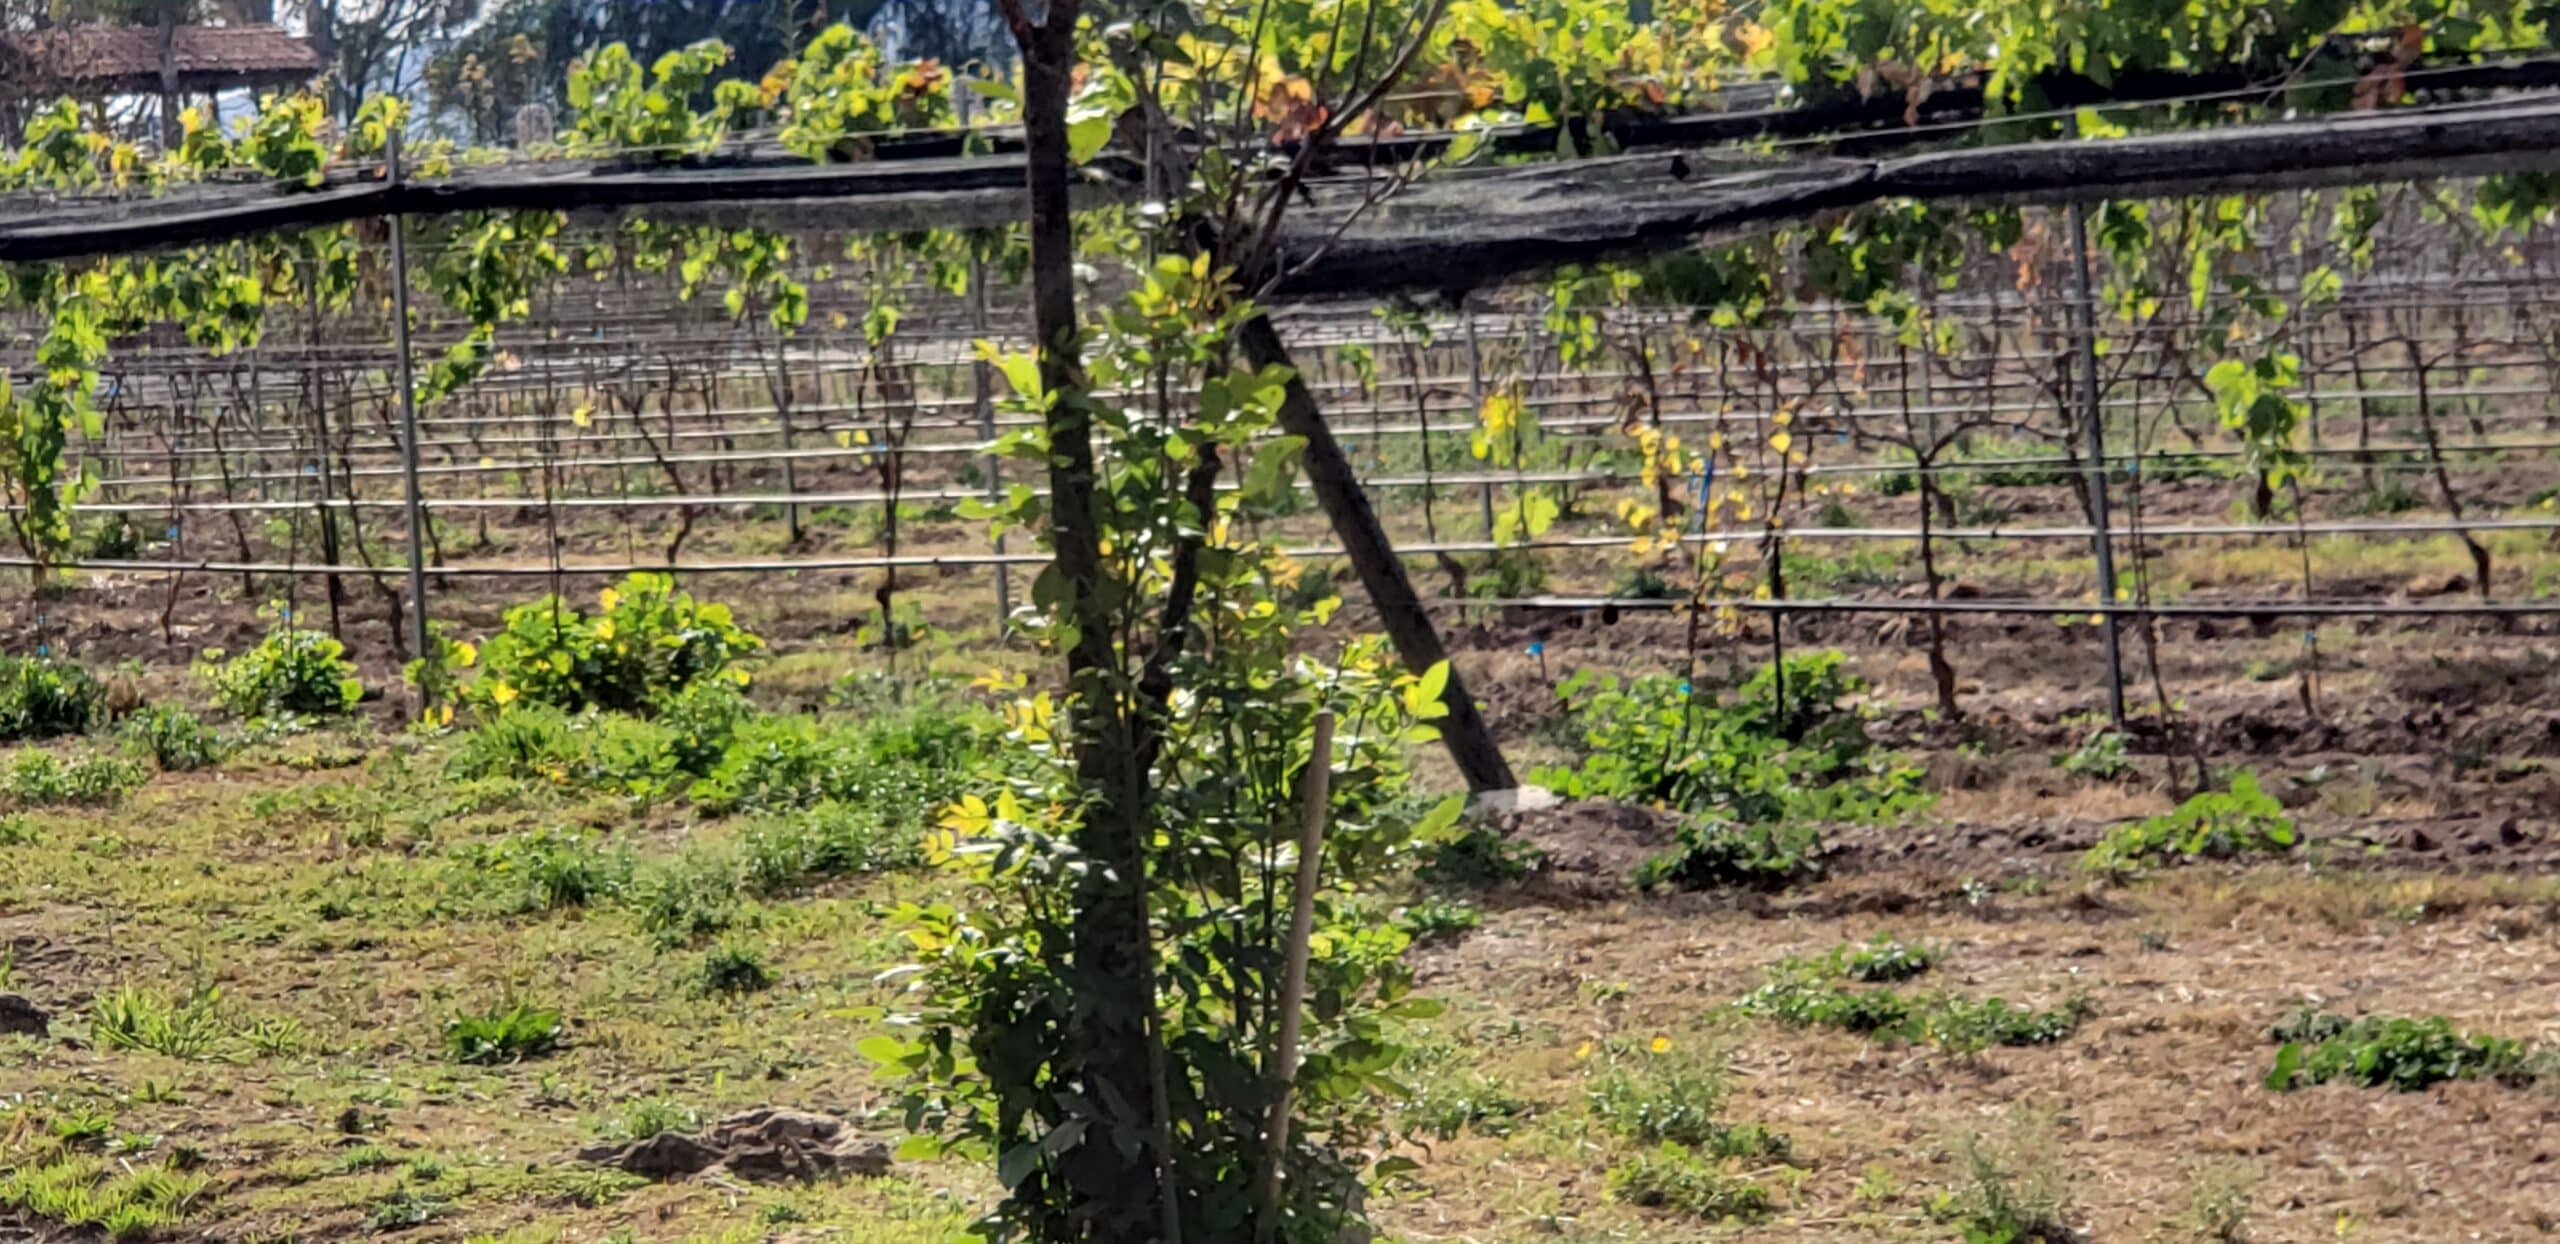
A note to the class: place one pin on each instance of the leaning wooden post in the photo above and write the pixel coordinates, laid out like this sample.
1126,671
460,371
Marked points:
1364,541
1293,986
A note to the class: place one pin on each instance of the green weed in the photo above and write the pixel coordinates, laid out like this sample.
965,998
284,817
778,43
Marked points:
41,698
503,1034
289,673
106,1196
546,869
1664,1092
38,779
1817,992
732,968
1670,1177
2243,820
175,739
2315,1047
2100,757
2014,1194
132,1018
1445,1095
1784,748
1712,855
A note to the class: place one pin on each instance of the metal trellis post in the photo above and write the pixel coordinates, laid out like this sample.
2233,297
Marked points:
2085,327
408,420
983,382
1475,387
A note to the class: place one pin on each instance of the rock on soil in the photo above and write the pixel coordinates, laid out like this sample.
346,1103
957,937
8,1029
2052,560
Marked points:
765,1145
18,1015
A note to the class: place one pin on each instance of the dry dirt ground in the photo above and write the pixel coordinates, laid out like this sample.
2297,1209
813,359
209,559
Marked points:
2157,1099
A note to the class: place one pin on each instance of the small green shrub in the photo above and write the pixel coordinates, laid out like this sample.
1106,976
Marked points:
732,968
42,698
1714,855
2014,1193
1662,1092
276,1036
1437,920
901,768
2225,824
1816,992
131,1018
547,869
534,740
114,538
687,896
1444,1094
407,1208
2402,1053
38,779
291,672
1784,748
1670,1177
101,1195
2391,496
652,1116
1883,960
647,641
503,1034
175,739
1644,583
2218,1196
2100,757
784,853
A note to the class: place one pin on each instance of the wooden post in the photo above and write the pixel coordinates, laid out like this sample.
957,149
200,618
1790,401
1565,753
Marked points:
1318,787
1469,740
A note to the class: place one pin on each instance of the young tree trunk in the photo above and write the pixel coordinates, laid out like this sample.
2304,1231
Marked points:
1469,740
1112,1171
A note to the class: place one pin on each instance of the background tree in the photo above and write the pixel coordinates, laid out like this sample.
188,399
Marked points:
520,50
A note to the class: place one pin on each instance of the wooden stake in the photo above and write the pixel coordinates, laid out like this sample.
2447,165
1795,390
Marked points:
1293,987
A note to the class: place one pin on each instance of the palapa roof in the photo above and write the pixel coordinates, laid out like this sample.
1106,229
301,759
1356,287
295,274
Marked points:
124,60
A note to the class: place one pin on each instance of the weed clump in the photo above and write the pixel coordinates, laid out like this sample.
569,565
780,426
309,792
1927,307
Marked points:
1477,856
1785,752
176,740
1445,1095
38,779
131,1018
112,1197
1662,1093
42,699
1784,748
547,869
2408,1054
2014,1193
2100,757
646,642
2223,824
731,969
1819,992
503,1034
1715,855
1671,1177
290,673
